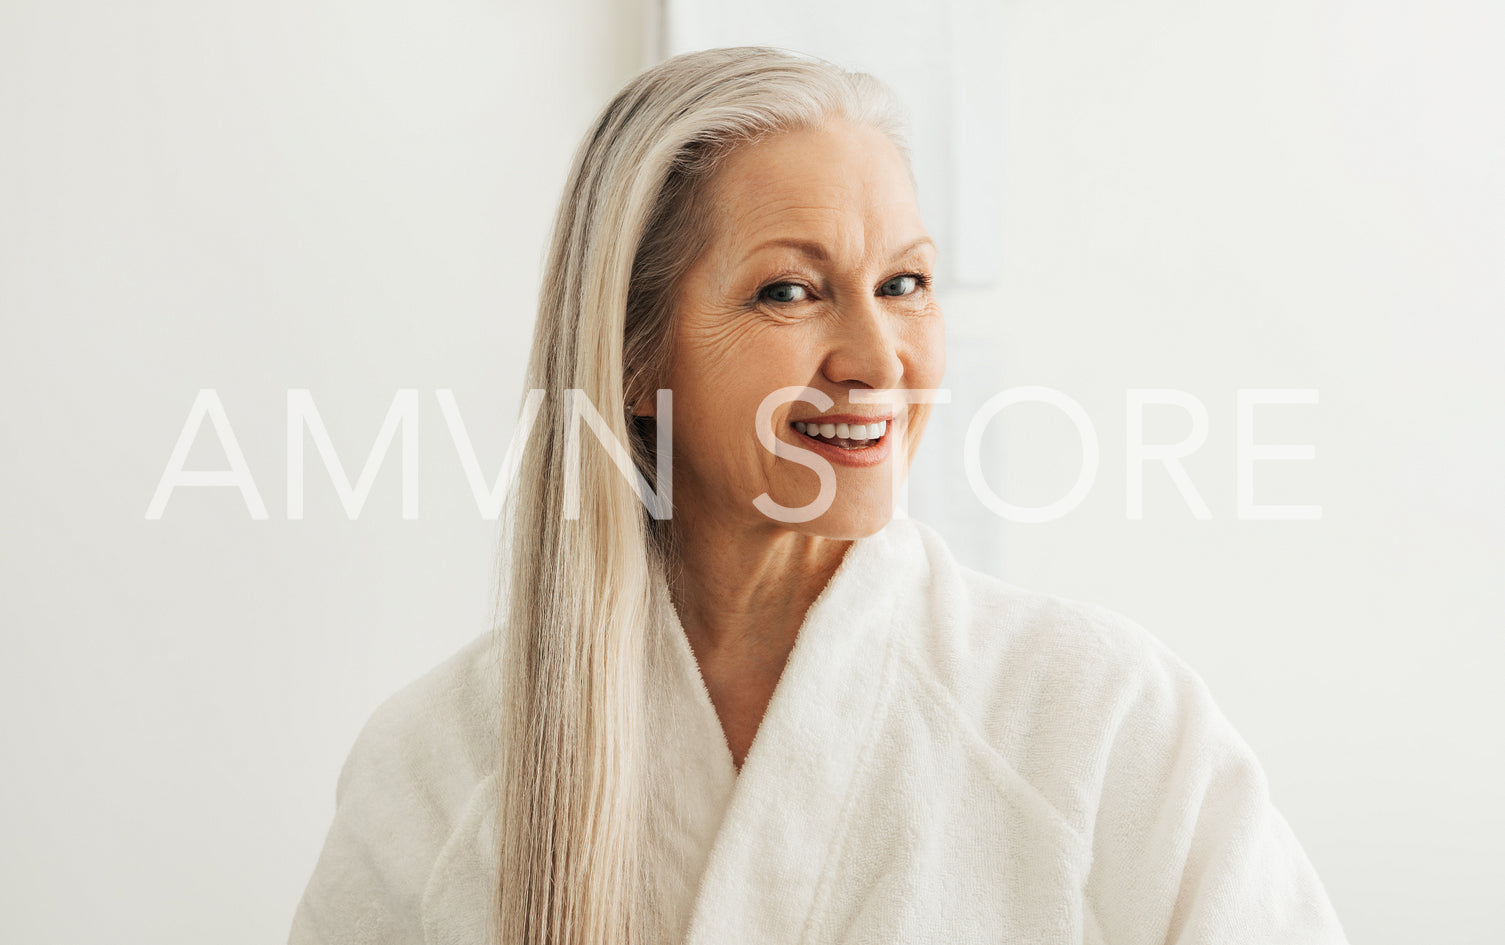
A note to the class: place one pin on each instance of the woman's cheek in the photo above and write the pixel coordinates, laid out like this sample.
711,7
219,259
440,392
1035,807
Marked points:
929,346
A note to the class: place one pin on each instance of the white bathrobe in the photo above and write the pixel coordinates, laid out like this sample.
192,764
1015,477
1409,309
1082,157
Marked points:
947,758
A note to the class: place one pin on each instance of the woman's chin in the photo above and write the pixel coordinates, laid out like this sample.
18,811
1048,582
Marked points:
848,521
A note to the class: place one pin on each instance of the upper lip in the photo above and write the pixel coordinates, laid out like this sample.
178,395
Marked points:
848,418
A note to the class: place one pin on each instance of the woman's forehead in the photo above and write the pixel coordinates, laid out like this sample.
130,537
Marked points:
831,162
830,189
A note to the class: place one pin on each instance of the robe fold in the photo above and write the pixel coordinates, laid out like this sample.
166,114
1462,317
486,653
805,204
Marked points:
946,758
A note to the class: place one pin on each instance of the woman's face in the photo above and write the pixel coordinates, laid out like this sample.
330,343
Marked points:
818,274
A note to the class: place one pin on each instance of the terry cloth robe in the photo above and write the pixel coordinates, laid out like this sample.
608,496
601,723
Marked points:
947,758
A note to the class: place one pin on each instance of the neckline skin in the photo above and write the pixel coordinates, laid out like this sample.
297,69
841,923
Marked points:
811,623
740,610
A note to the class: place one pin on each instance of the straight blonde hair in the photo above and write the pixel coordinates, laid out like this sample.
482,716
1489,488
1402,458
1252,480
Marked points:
577,594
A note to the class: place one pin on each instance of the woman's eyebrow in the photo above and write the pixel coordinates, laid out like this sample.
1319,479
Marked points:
914,245
818,252
809,247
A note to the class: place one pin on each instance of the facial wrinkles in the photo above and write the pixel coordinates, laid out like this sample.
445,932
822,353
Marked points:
724,320
841,233
832,202
722,315
713,329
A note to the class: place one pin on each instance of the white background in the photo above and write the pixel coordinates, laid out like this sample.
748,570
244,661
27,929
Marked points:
354,198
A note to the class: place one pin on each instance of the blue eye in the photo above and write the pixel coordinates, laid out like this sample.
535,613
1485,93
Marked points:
901,285
784,292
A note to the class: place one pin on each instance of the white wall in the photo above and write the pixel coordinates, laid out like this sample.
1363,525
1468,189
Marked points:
249,196
1283,194
353,198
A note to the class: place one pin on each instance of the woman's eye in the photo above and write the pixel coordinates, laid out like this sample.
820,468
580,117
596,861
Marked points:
784,292
900,285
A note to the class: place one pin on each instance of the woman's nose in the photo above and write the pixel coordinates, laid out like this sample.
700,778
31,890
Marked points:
864,347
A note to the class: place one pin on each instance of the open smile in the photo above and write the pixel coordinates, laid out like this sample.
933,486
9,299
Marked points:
848,436
848,440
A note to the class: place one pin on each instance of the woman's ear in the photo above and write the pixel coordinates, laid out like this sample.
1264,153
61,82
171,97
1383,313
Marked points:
643,407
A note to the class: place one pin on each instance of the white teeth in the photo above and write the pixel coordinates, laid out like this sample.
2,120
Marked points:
843,431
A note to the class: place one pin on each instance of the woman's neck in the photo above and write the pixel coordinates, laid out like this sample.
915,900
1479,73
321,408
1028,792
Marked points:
742,598
737,588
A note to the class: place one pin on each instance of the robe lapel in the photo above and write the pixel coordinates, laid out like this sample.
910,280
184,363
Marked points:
788,805
691,772
737,858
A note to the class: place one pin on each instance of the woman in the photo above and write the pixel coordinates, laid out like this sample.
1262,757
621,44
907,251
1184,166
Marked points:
756,709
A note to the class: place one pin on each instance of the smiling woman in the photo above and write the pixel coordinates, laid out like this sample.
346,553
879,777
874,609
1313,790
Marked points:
816,274
741,724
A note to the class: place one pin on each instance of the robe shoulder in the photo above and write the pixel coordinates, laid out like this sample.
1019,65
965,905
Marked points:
1125,743
410,774
1051,683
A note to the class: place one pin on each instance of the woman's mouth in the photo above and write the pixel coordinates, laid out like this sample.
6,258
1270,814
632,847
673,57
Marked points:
847,436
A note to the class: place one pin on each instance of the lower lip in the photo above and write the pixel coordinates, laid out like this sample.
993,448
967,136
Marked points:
867,456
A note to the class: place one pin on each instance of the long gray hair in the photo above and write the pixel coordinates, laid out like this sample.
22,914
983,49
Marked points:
577,593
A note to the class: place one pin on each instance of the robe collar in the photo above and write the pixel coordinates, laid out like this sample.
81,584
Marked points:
738,858
766,834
